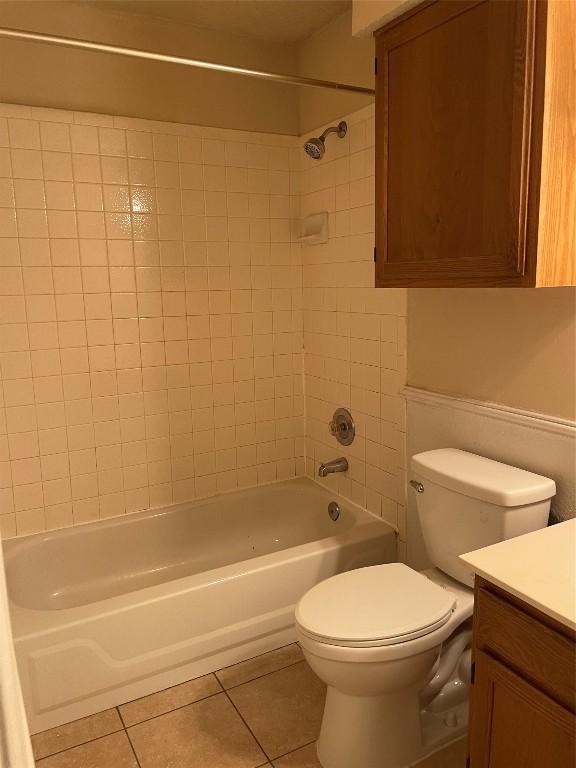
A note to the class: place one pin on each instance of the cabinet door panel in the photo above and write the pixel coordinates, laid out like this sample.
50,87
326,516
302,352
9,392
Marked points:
540,653
514,724
453,111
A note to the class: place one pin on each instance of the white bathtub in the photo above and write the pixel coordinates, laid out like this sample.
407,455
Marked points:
111,611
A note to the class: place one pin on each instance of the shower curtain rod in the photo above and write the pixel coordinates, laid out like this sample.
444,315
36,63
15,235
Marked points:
86,45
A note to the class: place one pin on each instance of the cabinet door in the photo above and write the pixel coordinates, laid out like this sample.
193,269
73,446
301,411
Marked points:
458,134
513,724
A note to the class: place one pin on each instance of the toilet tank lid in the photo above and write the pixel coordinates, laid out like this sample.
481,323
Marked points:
482,478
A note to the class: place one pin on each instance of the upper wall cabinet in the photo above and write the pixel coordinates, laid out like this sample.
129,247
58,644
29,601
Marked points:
476,145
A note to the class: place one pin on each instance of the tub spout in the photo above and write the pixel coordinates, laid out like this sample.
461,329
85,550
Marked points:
336,465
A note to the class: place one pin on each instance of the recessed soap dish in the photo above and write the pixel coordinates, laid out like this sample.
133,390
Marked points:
315,229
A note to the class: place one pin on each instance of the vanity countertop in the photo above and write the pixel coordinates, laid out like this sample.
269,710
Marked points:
539,568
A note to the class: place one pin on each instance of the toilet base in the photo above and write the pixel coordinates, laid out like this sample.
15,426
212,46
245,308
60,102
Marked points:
370,731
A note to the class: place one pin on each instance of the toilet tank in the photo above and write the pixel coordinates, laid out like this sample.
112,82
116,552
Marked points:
466,502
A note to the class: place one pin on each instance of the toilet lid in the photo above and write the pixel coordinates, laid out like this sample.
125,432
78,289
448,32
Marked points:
379,605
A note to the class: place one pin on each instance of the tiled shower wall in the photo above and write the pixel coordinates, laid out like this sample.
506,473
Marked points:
150,314
153,299
354,334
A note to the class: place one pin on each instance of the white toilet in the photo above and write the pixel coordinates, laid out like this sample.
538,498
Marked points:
393,644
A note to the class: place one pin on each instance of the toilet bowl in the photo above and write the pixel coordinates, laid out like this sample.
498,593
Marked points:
376,664
391,643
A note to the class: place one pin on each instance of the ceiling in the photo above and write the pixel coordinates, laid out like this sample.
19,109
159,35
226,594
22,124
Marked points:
279,21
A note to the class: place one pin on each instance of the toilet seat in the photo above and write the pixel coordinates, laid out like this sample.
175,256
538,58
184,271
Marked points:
375,606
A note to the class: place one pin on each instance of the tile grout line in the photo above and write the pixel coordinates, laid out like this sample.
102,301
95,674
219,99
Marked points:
266,755
174,709
195,701
132,747
125,727
302,746
80,744
259,656
117,708
258,677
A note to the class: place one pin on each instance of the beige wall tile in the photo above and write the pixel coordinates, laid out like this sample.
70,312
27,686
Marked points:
131,329
124,327
351,333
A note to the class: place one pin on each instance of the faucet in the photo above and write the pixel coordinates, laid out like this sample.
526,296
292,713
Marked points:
336,465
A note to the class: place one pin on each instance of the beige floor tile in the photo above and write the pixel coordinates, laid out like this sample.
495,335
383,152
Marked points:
112,751
261,665
302,758
206,734
284,709
453,756
77,732
169,699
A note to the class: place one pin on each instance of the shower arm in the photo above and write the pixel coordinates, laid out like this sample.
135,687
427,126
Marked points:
333,129
136,53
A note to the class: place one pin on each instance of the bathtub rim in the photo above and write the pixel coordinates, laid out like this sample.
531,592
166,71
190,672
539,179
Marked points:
268,626
130,517
29,621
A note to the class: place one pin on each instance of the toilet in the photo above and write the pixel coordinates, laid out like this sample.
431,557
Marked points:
391,643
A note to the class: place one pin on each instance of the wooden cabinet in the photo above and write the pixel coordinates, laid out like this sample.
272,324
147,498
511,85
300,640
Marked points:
523,697
475,145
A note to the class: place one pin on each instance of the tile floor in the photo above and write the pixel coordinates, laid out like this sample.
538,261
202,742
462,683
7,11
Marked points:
261,712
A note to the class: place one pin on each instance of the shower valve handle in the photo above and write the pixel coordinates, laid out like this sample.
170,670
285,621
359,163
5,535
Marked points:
342,426
336,428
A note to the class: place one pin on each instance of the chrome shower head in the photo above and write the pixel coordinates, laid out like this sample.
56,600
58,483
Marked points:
315,147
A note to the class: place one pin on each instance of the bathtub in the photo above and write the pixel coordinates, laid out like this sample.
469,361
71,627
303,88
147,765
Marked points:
107,612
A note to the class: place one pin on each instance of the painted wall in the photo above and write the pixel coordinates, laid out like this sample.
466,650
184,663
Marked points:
41,75
511,346
150,315
333,54
369,15
354,334
55,77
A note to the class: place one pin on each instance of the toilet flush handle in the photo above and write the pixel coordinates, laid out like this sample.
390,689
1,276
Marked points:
418,487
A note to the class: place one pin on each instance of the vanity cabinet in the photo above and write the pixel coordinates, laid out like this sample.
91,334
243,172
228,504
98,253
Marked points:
475,147
523,695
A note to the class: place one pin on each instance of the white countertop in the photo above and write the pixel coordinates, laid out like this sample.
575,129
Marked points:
539,568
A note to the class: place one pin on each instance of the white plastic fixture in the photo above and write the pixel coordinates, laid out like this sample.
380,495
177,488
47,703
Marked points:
481,478
469,502
117,609
393,644
341,611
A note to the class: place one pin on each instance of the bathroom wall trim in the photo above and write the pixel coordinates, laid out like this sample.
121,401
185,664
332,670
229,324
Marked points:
531,419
